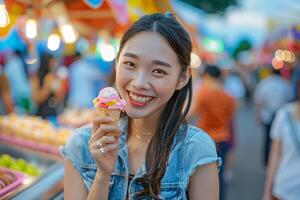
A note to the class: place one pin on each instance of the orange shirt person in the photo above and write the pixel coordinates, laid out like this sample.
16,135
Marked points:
215,109
214,106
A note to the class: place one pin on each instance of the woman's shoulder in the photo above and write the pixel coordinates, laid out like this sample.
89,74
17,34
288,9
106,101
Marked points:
76,148
82,134
195,134
195,140
79,139
198,149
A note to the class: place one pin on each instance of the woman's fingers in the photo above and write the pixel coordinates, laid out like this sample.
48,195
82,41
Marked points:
105,130
105,140
97,121
99,152
108,148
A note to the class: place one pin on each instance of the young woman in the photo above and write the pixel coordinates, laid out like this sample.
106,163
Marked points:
283,175
156,154
47,90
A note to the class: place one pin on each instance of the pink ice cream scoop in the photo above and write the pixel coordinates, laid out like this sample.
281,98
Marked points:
109,98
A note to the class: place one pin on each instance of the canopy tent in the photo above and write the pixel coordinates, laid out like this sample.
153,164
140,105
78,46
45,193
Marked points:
85,18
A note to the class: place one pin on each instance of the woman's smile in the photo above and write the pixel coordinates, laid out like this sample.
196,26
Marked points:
139,100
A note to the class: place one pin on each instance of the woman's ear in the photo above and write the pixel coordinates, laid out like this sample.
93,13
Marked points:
184,79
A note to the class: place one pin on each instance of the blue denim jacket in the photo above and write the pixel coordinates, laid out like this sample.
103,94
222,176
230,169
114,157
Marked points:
190,150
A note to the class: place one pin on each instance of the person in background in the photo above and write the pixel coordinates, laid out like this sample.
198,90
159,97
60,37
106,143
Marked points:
270,94
154,153
85,79
48,92
283,174
215,108
16,71
6,103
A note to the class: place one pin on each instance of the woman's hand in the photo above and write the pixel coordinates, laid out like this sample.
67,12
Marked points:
104,144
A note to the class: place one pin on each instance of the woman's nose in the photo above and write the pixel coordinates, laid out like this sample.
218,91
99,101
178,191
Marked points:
141,81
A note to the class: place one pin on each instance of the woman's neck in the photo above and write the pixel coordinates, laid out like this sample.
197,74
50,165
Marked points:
142,129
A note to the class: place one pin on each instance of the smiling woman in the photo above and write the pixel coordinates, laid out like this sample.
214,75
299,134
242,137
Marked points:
151,78
155,153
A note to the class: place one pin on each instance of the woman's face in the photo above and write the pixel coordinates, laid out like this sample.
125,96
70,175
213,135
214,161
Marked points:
147,74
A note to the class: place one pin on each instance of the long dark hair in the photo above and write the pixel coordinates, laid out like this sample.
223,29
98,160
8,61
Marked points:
44,68
173,115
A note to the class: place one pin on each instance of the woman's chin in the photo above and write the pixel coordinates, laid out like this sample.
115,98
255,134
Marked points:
135,115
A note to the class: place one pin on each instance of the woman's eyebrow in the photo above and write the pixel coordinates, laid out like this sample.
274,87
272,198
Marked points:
154,62
131,55
161,63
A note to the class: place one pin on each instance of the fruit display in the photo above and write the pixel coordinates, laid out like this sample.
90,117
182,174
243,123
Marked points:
35,129
19,165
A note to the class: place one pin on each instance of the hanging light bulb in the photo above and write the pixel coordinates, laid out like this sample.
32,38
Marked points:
53,42
4,18
31,28
68,33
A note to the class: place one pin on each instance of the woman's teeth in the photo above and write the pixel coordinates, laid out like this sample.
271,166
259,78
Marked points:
140,98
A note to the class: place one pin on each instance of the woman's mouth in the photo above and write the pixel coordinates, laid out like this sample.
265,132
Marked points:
139,100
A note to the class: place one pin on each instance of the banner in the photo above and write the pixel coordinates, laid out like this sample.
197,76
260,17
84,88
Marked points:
119,9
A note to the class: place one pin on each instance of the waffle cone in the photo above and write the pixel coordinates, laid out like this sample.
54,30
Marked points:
112,113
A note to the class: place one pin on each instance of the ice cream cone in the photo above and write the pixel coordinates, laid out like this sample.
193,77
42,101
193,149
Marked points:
114,114
109,104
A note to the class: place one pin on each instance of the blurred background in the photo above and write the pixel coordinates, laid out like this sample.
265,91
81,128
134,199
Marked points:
56,54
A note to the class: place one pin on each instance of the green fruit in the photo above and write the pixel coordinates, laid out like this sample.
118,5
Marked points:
2,163
7,160
16,167
31,170
21,163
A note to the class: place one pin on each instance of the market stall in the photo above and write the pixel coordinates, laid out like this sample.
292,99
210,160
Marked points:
30,157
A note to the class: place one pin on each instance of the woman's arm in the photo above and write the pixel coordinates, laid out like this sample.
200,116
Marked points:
204,183
61,91
9,106
5,93
272,168
39,94
74,188
100,187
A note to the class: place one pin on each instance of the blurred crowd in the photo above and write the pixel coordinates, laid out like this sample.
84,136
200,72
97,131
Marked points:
49,85
219,91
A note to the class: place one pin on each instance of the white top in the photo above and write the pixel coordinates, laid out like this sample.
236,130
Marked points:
271,93
287,179
234,86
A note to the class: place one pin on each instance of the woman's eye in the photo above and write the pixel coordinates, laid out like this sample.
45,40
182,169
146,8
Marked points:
159,72
128,63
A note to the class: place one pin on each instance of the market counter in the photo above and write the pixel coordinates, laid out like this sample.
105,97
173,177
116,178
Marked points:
47,184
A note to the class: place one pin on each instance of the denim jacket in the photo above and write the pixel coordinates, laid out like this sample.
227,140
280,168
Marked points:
190,150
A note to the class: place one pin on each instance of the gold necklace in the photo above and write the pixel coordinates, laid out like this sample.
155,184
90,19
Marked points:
142,138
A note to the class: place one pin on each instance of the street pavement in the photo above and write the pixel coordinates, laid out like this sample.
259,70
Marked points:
248,170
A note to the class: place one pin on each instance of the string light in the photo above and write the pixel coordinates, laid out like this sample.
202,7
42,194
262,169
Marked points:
53,42
68,33
4,17
31,28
